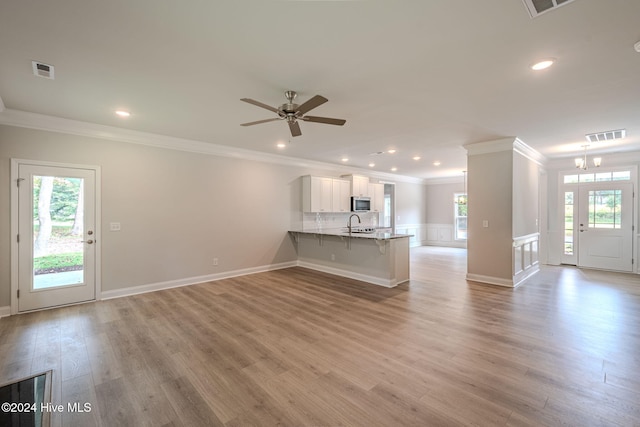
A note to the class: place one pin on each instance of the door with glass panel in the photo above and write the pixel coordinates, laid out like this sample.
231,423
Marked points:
604,226
56,236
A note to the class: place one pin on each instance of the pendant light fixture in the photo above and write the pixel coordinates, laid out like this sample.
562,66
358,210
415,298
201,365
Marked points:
581,162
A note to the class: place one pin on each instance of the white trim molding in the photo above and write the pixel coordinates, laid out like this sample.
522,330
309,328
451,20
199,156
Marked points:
506,144
36,121
491,280
418,233
152,287
525,257
5,311
442,235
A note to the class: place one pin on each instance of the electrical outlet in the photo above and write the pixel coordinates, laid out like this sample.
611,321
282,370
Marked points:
333,257
215,261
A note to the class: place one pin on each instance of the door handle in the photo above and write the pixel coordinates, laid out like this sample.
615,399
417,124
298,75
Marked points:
87,242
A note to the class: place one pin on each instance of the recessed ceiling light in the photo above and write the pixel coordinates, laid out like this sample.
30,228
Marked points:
371,165
394,169
541,65
281,145
391,151
345,159
436,163
416,157
123,113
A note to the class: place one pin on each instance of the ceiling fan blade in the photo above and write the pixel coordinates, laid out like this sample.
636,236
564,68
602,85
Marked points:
260,121
259,104
295,129
326,120
311,104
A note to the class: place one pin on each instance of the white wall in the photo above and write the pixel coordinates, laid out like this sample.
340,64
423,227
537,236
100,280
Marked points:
178,210
490,199
440,217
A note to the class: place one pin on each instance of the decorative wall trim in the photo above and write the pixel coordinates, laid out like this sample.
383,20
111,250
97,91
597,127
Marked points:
525,257
417,231
525,274
508,283
29,120
152,287
5,311
349,274
505,144
442,235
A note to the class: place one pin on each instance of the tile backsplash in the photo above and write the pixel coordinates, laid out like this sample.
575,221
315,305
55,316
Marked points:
311,221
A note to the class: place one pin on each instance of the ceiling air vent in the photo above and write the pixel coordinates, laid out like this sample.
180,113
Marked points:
538,7
41,69
609,135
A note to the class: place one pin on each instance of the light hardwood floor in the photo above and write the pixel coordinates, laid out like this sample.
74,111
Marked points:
301,348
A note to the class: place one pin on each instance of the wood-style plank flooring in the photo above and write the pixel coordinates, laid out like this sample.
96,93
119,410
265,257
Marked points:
300,348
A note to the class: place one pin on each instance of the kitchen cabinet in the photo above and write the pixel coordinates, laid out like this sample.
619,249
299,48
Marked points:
359,185
322,194
341,195
376,192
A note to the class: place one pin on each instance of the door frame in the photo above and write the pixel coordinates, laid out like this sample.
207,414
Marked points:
15,163
575,187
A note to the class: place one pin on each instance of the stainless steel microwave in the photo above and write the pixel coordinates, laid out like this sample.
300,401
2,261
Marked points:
360,204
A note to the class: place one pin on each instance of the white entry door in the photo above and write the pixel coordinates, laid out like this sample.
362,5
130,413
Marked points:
605,226
57,240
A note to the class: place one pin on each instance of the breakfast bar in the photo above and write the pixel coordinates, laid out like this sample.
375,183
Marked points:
366,254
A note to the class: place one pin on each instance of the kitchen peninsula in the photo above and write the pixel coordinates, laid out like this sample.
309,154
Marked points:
369,255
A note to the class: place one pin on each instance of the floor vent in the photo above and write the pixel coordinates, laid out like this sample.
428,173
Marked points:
609,135
538,7
41,69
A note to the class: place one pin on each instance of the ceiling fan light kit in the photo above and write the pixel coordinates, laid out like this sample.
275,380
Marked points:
292,112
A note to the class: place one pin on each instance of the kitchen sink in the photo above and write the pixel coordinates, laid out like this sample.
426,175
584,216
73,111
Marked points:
361,230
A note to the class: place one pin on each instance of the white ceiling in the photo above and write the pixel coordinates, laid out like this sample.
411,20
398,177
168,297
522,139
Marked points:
423,77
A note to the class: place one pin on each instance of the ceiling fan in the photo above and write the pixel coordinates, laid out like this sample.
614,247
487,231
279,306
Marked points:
293,112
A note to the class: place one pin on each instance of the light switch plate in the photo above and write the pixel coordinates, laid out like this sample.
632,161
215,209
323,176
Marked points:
114,226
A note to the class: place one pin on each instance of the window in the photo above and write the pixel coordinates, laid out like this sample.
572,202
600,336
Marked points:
460,215
568,222
574,178
604,208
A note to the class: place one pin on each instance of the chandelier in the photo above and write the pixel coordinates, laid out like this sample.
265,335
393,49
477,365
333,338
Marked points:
581,162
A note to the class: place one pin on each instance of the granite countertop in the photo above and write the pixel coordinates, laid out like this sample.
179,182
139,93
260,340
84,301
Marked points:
377,234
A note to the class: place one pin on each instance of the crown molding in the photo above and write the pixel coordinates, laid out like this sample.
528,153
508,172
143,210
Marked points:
48,123
505,144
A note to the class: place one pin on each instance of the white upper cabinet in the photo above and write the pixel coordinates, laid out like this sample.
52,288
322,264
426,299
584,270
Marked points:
320,194
376,192
359,185
341,195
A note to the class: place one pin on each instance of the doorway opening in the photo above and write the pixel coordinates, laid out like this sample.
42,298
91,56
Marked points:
598,216
55,218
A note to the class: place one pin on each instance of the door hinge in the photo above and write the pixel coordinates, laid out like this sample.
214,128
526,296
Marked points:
17,238
18,181
18,293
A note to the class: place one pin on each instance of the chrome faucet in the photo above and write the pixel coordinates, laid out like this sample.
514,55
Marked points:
349,222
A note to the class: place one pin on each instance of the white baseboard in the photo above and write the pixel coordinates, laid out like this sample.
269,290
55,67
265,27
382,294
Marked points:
349,274
492,280
5,311
520,278
152,287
